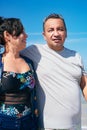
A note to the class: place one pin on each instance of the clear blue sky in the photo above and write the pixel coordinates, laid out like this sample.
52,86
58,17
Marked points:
32,13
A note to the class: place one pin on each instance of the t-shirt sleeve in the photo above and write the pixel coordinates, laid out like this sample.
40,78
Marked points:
81,63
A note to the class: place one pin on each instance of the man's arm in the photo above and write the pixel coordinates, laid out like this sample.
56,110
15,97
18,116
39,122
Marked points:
83,86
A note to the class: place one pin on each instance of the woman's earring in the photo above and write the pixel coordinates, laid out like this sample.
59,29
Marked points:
2,49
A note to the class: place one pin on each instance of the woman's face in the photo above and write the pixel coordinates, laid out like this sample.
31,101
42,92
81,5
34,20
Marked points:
18,42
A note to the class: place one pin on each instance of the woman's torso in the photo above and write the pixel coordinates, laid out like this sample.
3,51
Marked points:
15,93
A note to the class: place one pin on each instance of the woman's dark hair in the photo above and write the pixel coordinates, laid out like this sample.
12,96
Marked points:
54,16
12,25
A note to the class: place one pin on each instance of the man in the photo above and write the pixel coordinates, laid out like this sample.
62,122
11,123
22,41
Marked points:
60,75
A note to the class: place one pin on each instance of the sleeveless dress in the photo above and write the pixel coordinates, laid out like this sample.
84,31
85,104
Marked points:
17,94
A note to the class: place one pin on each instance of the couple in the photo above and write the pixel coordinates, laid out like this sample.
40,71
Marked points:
60,76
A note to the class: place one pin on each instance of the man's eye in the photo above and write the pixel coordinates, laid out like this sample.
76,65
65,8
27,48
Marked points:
61,29
50,30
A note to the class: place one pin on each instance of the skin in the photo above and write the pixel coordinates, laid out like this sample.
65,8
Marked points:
11,58
83,85
55,35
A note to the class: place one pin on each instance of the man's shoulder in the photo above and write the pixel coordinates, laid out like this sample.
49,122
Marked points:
73,53
70,50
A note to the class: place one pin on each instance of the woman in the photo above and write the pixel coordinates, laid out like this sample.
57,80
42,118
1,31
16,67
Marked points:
17,87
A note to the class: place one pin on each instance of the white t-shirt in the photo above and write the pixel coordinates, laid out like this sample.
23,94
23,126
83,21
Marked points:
58,90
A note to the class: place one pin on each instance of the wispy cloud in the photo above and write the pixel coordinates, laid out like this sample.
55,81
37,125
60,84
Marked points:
77,33
76,40
69,33
73,37
36,33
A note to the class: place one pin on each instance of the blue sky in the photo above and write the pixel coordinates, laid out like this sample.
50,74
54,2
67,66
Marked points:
32,13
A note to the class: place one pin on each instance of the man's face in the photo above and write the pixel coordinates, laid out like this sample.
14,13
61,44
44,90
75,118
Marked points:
54,33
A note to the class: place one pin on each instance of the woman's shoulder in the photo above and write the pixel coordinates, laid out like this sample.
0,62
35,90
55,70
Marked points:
28,60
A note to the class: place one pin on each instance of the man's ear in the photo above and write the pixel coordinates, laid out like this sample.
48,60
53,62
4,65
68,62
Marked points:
43,33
